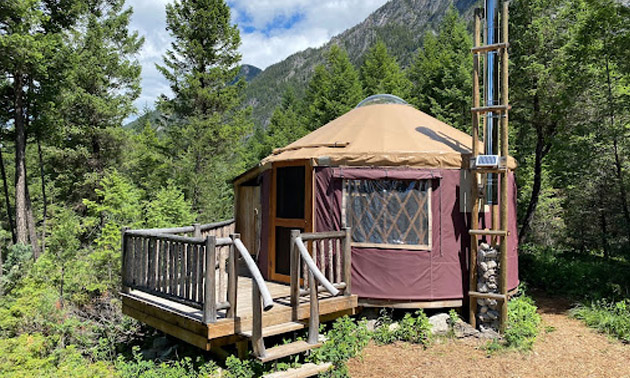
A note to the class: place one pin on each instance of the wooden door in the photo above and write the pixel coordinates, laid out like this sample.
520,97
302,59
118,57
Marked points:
291,208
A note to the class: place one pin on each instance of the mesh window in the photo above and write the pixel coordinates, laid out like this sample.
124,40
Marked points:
389,212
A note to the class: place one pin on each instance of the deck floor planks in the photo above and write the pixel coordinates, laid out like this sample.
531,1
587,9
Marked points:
177,316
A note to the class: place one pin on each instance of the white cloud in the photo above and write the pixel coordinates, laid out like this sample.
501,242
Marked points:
271,30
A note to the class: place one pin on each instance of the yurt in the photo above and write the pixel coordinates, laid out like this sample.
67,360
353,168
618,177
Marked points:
399,178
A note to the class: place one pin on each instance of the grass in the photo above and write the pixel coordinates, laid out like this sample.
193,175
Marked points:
612,318
601,285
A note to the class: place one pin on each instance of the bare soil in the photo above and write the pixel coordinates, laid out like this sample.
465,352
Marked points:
565,348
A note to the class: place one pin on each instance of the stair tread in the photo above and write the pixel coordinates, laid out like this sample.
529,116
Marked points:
277,329
285,350
304,371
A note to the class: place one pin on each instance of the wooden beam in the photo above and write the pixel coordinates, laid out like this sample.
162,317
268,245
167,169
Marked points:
487,232
499,297
210,295
171,329
486,48
504,176
410,304
313,321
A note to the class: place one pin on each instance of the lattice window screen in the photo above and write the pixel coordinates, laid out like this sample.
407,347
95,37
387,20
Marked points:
389,213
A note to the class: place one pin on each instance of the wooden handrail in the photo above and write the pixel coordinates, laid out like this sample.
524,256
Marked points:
313,268
257,276
185,229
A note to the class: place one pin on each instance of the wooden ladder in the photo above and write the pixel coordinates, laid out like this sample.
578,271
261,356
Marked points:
499,216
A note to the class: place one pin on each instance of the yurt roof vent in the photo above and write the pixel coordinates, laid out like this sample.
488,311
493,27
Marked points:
382,99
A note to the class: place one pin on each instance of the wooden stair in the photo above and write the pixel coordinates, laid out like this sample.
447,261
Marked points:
286,350
304,371
278,329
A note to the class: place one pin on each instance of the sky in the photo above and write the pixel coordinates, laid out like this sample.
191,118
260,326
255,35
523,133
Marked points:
271,30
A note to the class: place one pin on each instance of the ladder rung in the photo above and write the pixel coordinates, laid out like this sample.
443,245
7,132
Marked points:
486,48
492,109
490,170
476,294
489,232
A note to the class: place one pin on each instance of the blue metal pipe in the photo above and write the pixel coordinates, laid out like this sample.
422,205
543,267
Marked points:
492,95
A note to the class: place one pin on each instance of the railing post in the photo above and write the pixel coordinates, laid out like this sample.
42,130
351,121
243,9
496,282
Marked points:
126,260
294,256
197,230
209,297
347,261
258,344
232,277
313,321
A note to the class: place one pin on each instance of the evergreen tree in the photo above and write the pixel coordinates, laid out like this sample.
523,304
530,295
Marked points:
31,41
206,118
441,73
287,125
380,73
334,89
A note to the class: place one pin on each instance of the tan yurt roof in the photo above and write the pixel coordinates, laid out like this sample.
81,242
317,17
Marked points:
382,135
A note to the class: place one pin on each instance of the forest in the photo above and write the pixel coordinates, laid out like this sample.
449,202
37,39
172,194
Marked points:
73,174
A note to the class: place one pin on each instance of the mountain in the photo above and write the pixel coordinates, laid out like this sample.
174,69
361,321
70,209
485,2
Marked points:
401,24
247,71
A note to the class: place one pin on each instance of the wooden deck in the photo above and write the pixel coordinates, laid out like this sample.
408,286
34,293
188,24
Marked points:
185,322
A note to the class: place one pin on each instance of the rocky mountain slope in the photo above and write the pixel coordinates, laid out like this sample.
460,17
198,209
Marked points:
401,24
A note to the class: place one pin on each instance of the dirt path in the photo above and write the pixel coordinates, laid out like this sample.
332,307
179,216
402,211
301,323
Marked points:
571,350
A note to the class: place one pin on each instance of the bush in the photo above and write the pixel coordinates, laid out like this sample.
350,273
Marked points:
414,329
346,339
607,317
138,367
523,323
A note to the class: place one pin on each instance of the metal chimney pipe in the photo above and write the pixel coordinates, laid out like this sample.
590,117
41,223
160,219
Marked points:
491,135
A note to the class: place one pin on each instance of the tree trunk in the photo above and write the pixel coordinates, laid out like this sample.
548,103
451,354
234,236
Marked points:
45,210
618,163
7,199
32,227
604,226
21,227
533,200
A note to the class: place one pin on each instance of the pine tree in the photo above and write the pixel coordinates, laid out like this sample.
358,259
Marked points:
334,89
206,118
380,73
31,43
442,73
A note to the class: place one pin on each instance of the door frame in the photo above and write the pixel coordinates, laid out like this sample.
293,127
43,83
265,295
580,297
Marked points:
306,223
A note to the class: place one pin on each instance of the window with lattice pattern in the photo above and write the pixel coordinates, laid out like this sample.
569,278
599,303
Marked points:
389,213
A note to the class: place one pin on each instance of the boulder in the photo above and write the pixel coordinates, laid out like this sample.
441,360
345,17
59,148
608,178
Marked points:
439,324
461,329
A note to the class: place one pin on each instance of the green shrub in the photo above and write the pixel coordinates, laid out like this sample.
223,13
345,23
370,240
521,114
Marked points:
523,323
411,328
138,367
346,339
607,317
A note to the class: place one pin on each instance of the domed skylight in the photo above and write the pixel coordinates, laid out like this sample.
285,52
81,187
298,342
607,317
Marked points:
382,99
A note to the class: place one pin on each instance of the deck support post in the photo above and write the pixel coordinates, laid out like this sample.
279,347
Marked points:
209,295
313,321
258,344
294,256
347,261
232,285
126,260
196,230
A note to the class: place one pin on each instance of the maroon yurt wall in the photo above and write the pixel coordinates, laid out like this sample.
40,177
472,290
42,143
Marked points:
420,275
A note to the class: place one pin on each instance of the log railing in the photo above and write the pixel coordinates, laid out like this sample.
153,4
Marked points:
164,263
328,265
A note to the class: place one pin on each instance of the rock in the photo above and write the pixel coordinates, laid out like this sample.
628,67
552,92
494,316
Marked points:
492,253
487,333
492,286
492,303
481,302
489,273
484,246
483,288
493,315
439,324
371,325
394,327
491,264
483,309
484,318
462,329
492,279
484,266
